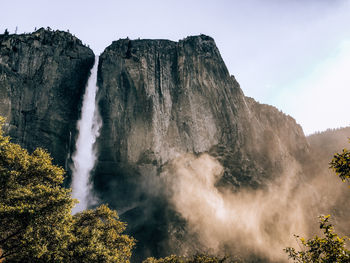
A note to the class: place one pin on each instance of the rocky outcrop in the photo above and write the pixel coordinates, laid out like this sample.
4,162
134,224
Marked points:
161,99
42,77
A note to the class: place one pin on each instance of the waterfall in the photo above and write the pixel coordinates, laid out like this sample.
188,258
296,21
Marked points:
84,157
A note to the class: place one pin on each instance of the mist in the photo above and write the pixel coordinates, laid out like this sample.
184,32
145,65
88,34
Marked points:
249,222
84,157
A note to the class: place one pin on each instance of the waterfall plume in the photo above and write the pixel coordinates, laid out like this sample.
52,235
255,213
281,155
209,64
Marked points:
84,157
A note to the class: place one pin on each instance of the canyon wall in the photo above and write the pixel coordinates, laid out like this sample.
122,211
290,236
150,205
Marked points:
160,100
42,79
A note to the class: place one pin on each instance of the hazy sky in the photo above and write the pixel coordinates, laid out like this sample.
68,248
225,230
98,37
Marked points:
293,54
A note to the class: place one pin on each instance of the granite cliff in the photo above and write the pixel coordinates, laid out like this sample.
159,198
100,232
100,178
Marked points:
160,100
42,78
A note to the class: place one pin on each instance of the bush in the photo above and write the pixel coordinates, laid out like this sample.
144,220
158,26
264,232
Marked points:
35,214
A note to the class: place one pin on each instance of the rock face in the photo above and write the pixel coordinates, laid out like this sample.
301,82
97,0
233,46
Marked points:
42,78
161,99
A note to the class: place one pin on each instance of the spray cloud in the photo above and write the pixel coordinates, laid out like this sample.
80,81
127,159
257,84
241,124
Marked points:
248,222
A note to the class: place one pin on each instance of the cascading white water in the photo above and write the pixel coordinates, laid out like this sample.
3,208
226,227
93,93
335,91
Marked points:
84,157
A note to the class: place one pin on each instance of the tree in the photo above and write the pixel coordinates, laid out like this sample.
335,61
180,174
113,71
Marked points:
35,214
330,247
326,249
193,259
341,165
34,208
98,237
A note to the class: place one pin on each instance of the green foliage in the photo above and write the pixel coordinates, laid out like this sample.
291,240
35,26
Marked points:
98,237
193,259
34,208
330,247
341,164
169,259
326,249
35,215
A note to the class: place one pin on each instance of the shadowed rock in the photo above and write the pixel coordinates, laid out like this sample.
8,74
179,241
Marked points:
42,79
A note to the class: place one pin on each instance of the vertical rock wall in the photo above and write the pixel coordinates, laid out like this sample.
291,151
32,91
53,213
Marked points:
42,78
161,99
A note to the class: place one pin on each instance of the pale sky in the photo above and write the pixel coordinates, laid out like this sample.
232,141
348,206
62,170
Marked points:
293,54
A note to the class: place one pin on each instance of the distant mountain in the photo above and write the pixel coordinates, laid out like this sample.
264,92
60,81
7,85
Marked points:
326,144
335,196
